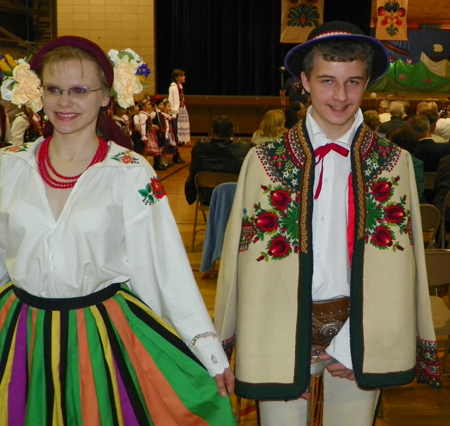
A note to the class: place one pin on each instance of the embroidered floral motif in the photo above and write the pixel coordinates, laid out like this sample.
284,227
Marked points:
380,155
385,216
126,157
22,148
278,224
201,336
278,163
428,369
153,191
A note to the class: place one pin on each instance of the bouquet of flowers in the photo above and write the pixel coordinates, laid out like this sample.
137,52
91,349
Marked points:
129,72
20,84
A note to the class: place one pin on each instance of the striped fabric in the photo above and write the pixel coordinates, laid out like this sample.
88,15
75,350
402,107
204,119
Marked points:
104,359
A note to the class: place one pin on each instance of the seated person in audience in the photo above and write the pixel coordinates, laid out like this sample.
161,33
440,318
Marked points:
433,116
408,139
221,153
428,150
272,126
397,111
293,88
294,113
383,110
372,119
442,187
406,108
443,124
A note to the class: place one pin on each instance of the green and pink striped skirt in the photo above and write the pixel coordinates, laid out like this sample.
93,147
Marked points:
103,359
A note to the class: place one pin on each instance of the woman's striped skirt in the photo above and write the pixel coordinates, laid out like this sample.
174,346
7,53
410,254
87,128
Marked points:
103,359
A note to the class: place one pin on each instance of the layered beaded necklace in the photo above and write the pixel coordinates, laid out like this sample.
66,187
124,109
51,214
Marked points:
64,182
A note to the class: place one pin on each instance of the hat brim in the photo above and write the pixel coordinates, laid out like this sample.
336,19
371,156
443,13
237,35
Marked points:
380,63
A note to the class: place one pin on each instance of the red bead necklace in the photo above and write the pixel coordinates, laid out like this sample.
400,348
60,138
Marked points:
65,182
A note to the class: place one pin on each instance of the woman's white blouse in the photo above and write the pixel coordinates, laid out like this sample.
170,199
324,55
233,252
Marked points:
115,227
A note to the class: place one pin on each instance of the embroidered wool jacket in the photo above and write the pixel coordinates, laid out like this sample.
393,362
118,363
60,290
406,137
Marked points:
264,301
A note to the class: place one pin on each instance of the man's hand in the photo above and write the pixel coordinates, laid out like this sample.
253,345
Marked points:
336,369
225,382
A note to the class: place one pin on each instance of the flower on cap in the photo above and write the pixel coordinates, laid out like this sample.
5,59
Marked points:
20,84
128,67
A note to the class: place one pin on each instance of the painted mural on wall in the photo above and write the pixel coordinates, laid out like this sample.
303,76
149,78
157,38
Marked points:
421,64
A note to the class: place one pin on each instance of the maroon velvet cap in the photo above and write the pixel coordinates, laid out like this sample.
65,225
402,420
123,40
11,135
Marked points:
81,43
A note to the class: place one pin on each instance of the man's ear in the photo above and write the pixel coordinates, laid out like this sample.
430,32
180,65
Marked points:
305,81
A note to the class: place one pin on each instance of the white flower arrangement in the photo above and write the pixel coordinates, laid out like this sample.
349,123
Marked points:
20,84
128,68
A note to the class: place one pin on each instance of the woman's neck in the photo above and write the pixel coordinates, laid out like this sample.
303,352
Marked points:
73,147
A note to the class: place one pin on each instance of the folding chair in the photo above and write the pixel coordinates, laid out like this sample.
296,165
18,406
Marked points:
438,270
207,180
431,219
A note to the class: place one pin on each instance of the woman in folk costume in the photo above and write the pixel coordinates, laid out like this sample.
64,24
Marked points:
179,111
324,266
96,327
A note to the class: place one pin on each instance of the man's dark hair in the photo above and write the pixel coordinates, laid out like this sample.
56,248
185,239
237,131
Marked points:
339,51
223,127
406,138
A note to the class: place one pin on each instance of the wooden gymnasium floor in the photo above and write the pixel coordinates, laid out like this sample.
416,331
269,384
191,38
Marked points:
411,405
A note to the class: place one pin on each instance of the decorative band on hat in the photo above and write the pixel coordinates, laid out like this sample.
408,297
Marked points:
333,33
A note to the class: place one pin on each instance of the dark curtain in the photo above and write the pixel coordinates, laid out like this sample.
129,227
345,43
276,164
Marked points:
231,47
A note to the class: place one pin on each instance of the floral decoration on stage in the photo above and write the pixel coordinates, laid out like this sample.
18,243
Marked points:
20,84
129,72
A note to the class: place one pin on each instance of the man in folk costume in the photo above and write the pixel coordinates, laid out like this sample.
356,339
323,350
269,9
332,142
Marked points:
323,265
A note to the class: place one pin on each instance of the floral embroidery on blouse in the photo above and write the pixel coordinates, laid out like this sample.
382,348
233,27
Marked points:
277,225
22,148
428,369
385,216
153,192
126,157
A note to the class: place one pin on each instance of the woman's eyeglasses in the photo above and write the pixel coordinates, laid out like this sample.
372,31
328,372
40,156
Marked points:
74,92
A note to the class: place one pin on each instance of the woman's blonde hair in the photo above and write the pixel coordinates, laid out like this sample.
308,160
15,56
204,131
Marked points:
272,124
63,54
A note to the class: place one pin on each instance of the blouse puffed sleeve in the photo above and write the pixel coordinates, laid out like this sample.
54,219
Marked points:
140,121
160,270
174,99
4,276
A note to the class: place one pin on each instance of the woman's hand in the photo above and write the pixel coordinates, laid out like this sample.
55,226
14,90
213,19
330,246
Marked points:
225,382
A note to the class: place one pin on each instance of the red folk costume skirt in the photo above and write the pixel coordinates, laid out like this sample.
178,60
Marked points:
103,359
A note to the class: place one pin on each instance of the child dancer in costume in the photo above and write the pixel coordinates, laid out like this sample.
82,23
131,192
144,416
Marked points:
171,146
179,111
87,242
160,125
